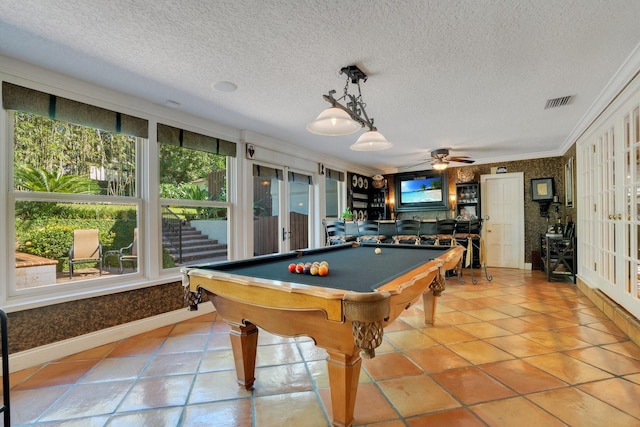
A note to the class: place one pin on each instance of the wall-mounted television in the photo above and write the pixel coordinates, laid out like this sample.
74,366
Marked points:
420,191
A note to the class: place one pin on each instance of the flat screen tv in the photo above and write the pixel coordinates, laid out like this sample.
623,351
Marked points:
418,191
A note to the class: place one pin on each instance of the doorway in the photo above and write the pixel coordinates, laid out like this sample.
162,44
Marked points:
503,229
276,190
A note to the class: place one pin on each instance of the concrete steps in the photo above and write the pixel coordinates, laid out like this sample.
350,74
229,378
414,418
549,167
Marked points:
196,247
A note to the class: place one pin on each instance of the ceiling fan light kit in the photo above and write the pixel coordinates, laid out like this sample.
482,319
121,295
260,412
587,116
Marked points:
441,159
346,119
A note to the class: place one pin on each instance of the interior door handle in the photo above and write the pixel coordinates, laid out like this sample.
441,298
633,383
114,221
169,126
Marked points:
285,234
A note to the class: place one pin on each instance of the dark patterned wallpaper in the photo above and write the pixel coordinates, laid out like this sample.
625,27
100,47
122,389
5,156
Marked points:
44,325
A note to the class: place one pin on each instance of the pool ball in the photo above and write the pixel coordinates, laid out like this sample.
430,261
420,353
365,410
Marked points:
292,268
378,251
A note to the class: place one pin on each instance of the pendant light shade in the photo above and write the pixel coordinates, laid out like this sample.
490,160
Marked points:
334,121
371,141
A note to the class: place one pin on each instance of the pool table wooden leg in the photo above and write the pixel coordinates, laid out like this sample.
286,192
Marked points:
344,373
244,343
430,298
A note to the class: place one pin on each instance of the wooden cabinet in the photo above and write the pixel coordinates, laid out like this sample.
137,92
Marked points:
468,200
558,255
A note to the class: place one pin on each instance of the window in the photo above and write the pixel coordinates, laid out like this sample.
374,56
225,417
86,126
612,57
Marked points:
333,180
193,192
69,177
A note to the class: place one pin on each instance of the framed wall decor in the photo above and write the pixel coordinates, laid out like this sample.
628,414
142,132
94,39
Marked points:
542,189
568,183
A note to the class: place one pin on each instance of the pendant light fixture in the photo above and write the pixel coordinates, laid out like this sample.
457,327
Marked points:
345,120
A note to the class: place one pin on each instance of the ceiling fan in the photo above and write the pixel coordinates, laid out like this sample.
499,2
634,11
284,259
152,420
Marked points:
441,159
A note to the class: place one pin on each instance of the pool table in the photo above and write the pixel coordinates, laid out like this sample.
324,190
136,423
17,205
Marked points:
344,312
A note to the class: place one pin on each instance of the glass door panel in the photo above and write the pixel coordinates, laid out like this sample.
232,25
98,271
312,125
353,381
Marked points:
267,186
299,199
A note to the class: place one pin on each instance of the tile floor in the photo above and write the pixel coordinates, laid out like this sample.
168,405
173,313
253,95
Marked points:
517,351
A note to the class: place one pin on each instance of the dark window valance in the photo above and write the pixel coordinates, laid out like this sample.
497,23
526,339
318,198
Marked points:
20,98
195,141
333,174
299,177
267,172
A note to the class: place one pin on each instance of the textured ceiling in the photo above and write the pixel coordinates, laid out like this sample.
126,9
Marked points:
470,75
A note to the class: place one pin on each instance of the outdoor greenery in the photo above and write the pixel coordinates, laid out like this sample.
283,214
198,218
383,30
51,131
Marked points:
51,156
63,149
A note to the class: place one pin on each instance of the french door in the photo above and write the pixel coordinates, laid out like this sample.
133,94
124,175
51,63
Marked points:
278,190
608,203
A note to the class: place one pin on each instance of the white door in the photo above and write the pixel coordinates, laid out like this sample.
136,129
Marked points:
503,213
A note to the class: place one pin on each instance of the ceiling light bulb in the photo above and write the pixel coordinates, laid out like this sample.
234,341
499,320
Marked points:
440,165
333,122
371,141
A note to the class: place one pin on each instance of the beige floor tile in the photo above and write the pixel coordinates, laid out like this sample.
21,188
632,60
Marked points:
292,409
282,379
471,385
479,352
522,377
448,334
155,417
606,360
519,346
390,365
516,326
86,400
458,417
278,354
57,373
454,318
487,314
568,369
158,392
516,411
217,386
173,364
28,405
404,340
555,340
590,335
483,330
137,347
417,394
577,408
184,343
626,348
228,413
436,359
120,368
617,392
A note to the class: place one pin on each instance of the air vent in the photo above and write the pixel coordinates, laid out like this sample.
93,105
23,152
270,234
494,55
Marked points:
558,102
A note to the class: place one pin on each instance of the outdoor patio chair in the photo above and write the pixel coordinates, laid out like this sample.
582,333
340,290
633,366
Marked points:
129,253
86,248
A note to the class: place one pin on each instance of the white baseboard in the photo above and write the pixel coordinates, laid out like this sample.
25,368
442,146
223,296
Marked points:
47,353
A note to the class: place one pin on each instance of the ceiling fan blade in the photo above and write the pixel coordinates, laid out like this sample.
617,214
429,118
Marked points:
462,160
